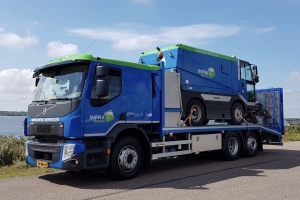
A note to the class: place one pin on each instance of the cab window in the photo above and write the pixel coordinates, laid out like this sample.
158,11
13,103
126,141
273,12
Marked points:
114,79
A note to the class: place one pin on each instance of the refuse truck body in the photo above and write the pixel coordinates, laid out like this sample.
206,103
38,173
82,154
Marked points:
216,86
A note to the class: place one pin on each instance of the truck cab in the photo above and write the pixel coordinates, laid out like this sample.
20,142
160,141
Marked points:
81,97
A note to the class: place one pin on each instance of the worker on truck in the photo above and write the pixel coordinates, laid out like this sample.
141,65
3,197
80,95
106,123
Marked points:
189,118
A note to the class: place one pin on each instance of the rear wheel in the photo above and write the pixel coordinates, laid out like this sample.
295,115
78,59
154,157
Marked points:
126,158
237,113
252,144
198,113
232,146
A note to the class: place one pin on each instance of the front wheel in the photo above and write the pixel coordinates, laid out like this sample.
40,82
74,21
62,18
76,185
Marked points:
237,113
232,146
126,158
252,145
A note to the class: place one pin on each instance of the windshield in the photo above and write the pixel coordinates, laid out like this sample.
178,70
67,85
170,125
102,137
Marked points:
63,83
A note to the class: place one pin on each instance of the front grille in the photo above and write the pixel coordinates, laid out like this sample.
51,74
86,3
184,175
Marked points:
46,129
43,129
43,148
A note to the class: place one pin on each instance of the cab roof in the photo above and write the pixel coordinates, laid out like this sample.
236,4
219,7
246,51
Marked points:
87,58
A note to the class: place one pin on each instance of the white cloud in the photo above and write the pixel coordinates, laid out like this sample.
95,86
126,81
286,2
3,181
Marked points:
264,30
57,48
16,89
126,37
291,103
294,77
142,1
9,39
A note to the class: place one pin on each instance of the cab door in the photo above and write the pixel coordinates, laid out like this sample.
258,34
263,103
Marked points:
247,84
102,114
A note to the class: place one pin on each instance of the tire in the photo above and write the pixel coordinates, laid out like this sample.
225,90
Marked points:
251,144
235,118
231,146
198,116
126,158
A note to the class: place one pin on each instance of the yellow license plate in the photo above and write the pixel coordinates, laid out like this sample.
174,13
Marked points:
42,164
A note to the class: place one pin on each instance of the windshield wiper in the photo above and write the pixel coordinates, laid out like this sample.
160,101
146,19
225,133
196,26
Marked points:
41,101
69,99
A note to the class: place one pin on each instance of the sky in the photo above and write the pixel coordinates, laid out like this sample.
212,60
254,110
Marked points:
263,32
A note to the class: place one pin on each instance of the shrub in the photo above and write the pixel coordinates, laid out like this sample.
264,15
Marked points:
12,149
292,129
292,133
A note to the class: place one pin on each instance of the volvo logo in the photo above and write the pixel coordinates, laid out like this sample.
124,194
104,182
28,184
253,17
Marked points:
44,111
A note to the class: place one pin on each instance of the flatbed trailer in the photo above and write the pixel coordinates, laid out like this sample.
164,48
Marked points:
233,140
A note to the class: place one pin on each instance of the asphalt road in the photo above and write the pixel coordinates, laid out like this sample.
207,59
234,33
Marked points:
272,174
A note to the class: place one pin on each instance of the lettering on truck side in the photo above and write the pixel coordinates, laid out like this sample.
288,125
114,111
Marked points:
56,119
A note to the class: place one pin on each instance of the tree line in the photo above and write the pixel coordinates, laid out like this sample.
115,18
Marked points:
13,113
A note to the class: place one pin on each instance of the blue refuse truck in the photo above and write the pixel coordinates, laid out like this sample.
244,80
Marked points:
93,113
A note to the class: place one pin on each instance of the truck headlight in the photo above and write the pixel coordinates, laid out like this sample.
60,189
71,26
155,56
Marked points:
68,151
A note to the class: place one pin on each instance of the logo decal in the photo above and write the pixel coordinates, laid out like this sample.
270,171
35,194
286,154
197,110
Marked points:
107,117
45,110
209,73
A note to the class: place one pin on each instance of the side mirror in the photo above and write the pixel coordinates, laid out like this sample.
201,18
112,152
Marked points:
254,70
37,80
256,79
102,88
101,71
35,74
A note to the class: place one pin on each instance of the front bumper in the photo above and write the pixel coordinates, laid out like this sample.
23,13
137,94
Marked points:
80,159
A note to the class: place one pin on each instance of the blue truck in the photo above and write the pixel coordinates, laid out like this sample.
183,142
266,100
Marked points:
93,113
216,86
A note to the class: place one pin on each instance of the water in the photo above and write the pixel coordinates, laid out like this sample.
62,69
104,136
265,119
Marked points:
11,125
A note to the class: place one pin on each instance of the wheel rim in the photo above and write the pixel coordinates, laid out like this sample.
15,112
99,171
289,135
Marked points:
128,159
197,116
236,114
233,145
251,144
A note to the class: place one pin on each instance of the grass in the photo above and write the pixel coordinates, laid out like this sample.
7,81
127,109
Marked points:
22,169
12,158
292,133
